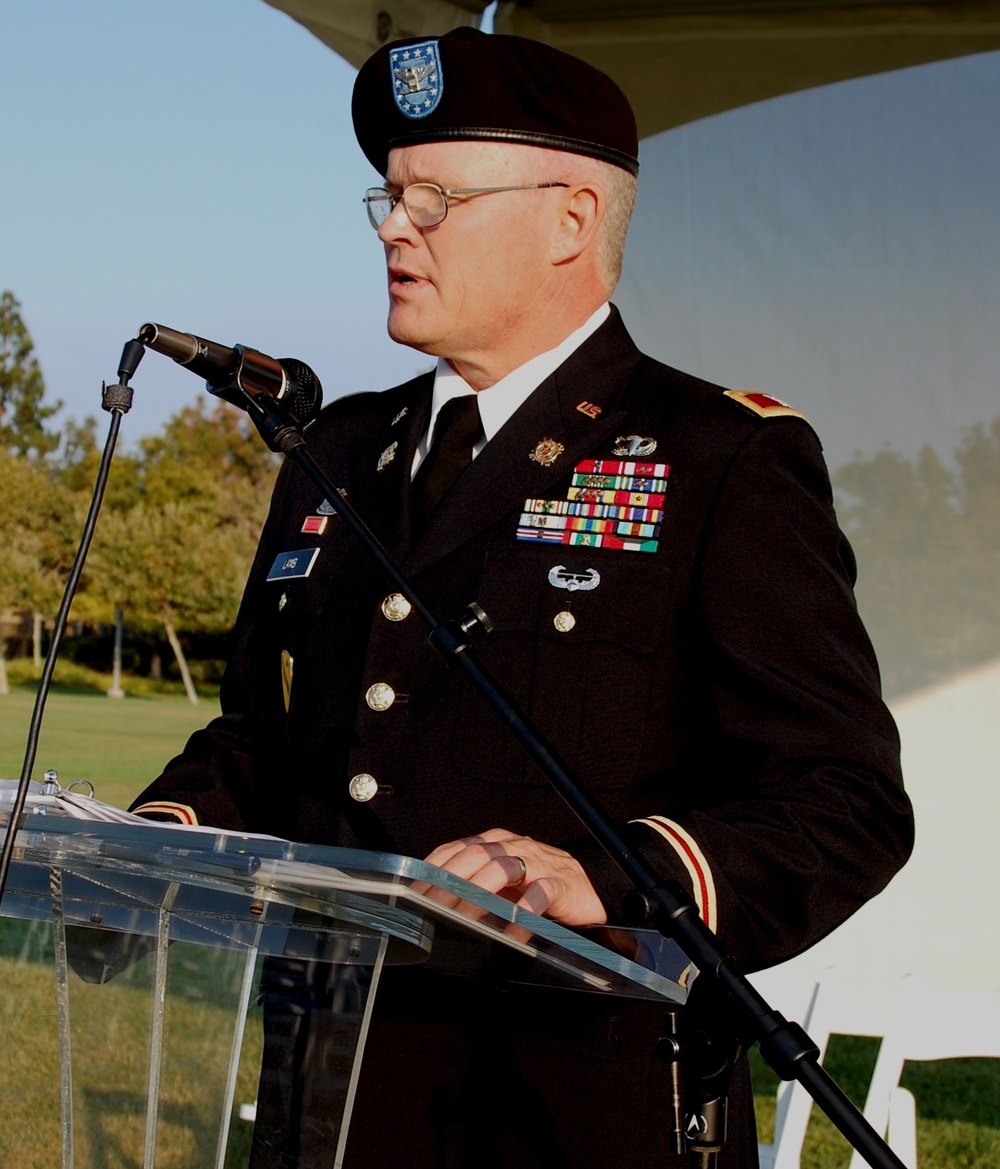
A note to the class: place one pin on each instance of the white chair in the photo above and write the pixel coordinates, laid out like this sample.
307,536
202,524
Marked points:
834,1005
925,1024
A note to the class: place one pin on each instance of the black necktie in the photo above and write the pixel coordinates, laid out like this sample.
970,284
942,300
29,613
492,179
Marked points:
457,430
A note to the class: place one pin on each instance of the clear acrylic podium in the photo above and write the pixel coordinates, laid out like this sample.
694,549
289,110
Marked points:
130,955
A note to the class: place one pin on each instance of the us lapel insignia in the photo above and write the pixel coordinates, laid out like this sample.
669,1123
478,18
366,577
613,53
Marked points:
589,409
546,451
400,416
315,525
287,664
386,457
633,446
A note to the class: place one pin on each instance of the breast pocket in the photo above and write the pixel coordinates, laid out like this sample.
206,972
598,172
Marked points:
575,640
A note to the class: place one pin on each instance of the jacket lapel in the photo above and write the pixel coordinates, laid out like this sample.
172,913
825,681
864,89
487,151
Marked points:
380,472
504,475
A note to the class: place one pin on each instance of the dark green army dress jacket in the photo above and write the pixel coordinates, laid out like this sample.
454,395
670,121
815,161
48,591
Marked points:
708,677
719,690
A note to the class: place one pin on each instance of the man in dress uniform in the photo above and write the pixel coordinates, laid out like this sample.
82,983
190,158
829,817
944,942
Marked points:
671,602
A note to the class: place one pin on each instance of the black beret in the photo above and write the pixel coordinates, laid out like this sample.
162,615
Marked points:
468,85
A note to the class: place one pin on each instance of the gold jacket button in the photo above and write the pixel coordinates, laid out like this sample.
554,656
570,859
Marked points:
396,607
363,787
564,621
380,696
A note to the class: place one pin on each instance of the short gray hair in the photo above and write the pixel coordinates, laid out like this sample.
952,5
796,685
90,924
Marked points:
559,166
620,188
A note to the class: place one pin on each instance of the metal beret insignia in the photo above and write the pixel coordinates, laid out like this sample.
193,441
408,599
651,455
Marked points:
416,78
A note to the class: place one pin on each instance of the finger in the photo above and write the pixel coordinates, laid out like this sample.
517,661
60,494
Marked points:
500,834
536,897
498,873
474,855
444,852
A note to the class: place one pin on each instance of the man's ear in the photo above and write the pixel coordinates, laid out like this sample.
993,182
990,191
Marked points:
581,212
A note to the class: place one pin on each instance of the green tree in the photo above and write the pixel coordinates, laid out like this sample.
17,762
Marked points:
22,387
927,537
210,456
171,567
36,534
176,540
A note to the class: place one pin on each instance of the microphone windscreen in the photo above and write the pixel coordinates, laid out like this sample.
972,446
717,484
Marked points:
305,394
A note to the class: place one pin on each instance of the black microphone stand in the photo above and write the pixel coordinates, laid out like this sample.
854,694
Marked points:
653,901
117,400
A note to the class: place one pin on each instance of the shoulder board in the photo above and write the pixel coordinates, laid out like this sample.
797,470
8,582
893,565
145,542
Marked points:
764,405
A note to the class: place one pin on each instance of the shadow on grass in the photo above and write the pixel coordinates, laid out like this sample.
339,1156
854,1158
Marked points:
74,679
134,688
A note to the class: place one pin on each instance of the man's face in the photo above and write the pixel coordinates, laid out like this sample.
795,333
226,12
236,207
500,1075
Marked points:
464,288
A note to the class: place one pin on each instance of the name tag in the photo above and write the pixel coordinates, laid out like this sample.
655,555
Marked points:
289,565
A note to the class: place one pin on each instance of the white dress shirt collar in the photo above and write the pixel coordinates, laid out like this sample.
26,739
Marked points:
499,402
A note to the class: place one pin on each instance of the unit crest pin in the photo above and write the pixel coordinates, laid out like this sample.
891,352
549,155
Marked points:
546,451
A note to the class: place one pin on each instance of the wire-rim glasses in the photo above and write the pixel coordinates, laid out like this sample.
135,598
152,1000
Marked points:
426,203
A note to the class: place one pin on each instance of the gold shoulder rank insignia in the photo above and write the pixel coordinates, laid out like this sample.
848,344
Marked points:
764,405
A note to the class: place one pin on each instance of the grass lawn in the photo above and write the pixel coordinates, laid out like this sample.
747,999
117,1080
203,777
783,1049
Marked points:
121,744
958,1106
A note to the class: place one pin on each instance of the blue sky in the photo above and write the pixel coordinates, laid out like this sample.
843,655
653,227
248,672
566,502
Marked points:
193,164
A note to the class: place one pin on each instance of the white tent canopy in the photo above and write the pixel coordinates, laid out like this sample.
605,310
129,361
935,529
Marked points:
679,60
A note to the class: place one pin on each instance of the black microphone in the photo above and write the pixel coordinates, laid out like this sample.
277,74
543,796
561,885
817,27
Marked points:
227,370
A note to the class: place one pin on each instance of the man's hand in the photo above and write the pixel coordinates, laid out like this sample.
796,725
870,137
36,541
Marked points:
536,876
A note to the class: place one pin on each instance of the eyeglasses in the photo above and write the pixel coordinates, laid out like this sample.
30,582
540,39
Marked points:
426,203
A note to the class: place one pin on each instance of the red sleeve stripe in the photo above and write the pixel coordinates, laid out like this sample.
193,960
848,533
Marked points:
694,861
183,813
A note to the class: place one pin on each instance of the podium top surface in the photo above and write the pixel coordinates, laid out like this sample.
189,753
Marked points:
231,890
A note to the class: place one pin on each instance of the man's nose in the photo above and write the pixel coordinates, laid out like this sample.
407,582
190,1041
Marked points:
396,225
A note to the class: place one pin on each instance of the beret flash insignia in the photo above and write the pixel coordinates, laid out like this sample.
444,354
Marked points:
764,405
416,78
